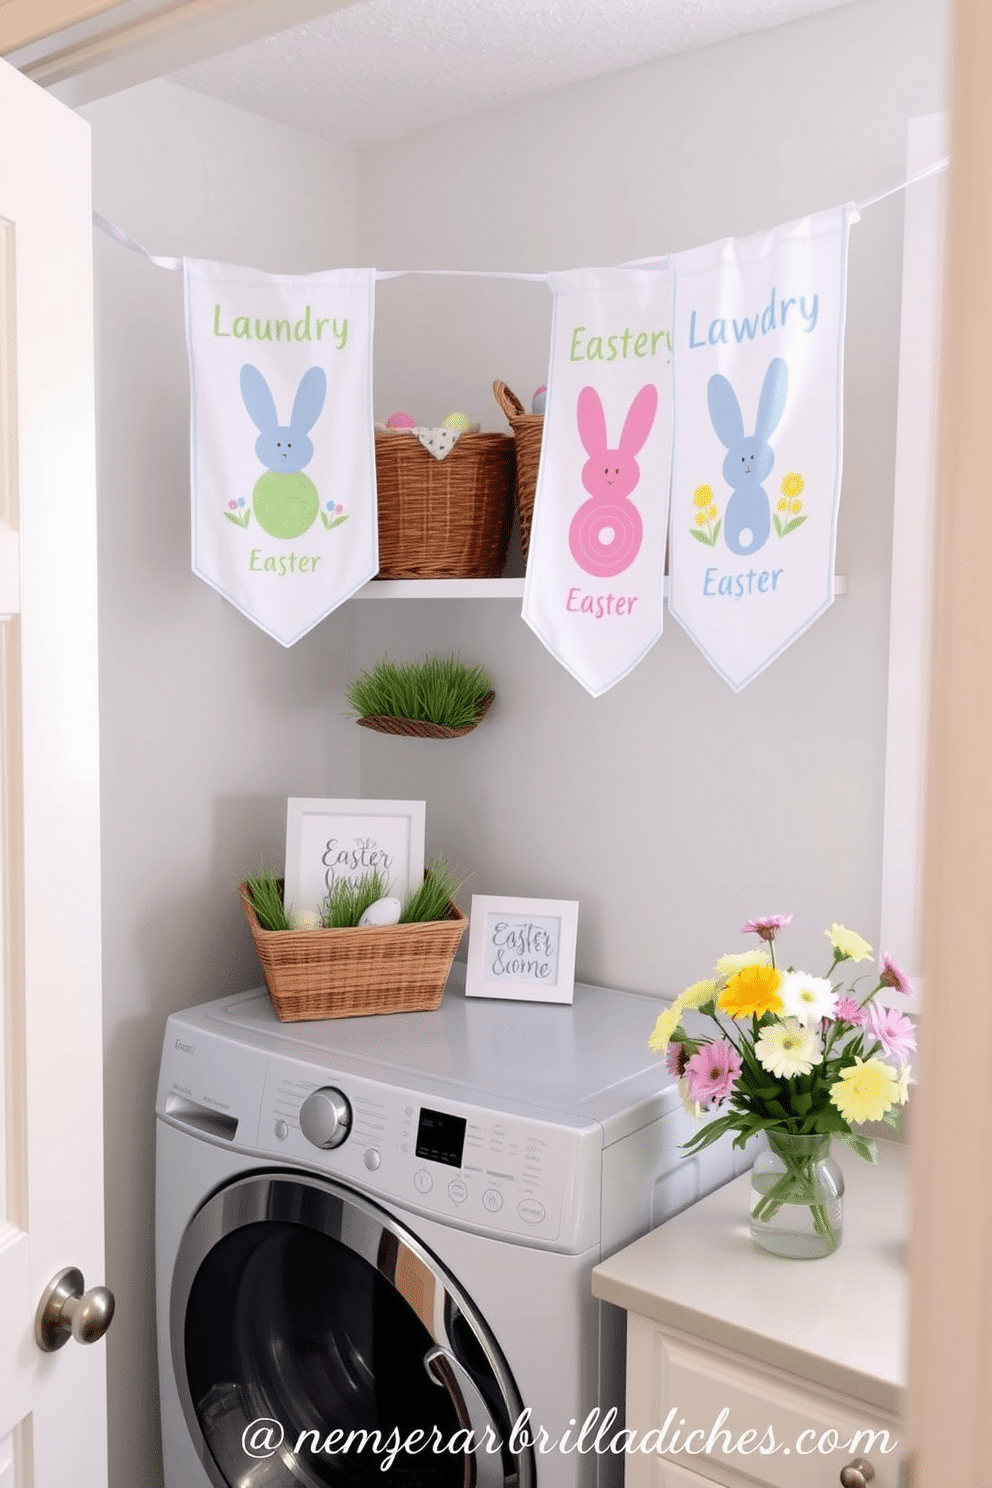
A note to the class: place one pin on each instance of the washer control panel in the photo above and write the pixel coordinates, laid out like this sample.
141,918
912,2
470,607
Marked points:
490,1171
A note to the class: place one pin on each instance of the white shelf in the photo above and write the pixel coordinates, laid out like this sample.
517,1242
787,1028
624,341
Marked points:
442,589
474,588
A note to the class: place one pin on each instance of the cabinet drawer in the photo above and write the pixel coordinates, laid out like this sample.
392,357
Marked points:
739,1424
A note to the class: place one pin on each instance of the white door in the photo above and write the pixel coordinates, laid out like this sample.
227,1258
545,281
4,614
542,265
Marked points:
52,1404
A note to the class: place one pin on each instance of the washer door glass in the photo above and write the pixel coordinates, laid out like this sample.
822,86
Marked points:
317,1341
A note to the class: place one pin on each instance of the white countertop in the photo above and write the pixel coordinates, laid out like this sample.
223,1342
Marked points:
840,1322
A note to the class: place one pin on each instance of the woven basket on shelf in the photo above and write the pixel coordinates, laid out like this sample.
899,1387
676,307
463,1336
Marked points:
421,728
444,519
350,973
528,431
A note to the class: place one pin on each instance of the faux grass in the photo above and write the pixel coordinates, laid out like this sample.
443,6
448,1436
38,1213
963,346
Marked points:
429,901
347,902
266,895
440,690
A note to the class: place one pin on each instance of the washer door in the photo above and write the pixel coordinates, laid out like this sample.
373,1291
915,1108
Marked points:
316,1341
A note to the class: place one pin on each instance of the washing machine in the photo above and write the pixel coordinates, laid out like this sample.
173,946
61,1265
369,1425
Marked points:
374,1238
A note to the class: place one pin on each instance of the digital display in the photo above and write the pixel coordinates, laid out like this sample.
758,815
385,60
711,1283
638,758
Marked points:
440,1137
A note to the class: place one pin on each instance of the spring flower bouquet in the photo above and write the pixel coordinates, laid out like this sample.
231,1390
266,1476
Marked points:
802,1058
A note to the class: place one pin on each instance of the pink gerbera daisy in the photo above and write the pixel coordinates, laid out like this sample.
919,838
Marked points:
894,1031
892,975
767,927
848,1011
710,1073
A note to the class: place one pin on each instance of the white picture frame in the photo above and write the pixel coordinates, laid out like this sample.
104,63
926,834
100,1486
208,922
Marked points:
327,839
522,949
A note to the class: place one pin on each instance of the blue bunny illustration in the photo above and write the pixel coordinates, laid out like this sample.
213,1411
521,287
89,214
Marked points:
285,447
285,501
749,458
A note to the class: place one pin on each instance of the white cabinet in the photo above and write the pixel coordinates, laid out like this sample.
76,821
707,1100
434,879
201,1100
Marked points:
735,1424
753,1372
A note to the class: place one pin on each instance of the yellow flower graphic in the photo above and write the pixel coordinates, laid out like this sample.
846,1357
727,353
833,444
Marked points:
707,516
753,990
791,508
865,1091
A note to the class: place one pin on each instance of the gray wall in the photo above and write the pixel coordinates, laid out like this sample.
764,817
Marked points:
207,724
670,808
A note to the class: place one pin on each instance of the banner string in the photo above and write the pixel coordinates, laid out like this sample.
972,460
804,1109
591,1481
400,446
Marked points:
655,262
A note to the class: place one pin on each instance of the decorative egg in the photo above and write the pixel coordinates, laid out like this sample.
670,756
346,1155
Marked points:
460,421
305,919
539,400
401,421
382,912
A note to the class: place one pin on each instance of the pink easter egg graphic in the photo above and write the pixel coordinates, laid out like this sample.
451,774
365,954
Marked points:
605,536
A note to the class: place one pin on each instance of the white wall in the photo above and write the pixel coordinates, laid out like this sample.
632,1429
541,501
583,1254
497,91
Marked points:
207,724
670,808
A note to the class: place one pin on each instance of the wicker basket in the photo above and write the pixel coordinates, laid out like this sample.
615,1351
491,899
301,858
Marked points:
528,431
444,519
350,973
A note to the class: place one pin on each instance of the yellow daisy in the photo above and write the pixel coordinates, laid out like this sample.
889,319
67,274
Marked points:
667,1022
753,990
795,506
711,512
700,519
852,947
865,1091
698,993
793,484
783,505
735,961
702,496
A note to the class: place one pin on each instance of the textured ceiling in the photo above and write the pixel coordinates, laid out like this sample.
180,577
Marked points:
379,69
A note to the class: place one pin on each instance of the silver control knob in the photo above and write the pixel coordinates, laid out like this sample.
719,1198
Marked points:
325,1117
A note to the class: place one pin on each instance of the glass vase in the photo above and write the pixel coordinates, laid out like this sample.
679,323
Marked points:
797,1198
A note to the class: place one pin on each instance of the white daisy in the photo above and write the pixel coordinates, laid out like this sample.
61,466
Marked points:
788,1049
807,998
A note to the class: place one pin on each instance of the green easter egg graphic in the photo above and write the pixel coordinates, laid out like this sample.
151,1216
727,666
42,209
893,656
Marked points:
285,503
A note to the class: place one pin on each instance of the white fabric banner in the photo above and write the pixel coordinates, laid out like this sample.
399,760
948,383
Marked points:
282,448
595,570
759,350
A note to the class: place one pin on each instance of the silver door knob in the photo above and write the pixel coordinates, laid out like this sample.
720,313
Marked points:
857,1474
66,1311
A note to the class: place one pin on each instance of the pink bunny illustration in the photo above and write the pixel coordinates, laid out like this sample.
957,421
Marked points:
606,531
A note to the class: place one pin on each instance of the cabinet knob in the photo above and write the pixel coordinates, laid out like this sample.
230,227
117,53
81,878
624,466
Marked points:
857,1474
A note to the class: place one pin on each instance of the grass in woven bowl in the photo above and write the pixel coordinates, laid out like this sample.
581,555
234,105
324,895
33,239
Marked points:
441,690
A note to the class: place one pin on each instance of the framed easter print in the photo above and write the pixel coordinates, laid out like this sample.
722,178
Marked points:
327,840
522,949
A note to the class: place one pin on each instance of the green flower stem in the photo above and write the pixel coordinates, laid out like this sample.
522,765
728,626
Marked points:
796,1186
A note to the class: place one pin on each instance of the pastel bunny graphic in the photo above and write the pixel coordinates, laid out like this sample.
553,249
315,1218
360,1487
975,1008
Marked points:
749,460
606,531
284,500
